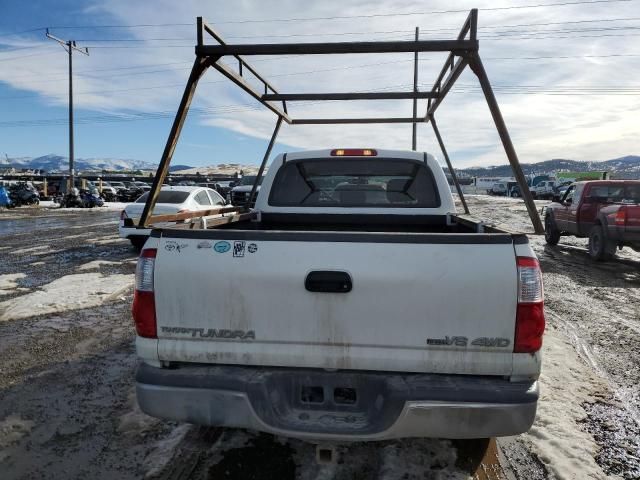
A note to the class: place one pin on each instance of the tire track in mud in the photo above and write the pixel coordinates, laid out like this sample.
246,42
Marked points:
208,453
597,307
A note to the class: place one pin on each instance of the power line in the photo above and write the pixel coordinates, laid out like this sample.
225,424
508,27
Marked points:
341,17
305,72
335,17
226,109
315,35
513,35
566,90
436,12
20,57
441,29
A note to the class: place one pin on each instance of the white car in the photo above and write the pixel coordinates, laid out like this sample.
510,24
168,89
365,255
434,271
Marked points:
176,199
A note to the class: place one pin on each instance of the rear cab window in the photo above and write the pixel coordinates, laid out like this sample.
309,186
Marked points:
354,182
618,193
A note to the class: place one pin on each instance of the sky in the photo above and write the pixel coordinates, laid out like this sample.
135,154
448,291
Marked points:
566,74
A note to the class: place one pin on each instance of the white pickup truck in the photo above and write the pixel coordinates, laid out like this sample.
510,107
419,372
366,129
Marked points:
356,306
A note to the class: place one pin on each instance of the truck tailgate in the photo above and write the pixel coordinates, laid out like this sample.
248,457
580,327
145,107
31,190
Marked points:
439,303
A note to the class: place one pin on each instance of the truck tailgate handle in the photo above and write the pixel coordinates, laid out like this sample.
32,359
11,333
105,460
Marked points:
328,282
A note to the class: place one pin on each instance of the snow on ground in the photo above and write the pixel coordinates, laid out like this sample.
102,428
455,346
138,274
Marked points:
163,450
38,250
135,421
71,292
557,438
97,264
107,206
8,282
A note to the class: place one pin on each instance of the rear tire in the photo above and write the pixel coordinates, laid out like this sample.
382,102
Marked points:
600,249
138,242
551,232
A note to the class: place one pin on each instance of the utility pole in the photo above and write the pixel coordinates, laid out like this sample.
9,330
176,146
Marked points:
70,46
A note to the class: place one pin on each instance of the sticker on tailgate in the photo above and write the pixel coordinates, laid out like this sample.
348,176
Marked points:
238,248
173,246
222,247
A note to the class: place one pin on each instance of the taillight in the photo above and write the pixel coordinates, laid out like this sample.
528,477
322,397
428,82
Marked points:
354,152
123,215
530,312
621,217
144,304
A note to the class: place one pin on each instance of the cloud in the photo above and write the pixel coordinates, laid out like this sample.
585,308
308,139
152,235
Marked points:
542,125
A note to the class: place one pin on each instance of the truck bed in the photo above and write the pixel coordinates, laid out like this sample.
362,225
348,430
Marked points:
454,224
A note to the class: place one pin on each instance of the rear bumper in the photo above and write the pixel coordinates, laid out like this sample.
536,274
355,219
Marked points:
127,232
386,406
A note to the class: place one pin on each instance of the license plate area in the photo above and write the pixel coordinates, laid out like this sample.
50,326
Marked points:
326,402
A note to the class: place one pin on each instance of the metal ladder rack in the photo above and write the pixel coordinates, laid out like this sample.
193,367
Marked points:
463,52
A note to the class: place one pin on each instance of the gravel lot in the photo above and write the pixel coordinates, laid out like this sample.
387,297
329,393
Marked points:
68,410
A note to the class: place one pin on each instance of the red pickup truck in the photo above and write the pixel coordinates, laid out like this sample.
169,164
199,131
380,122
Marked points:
606,211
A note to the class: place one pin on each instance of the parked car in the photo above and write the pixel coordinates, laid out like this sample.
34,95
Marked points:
498,189
144,186
223,187
109,193
544,189
23,194
170,200
351,304
239,194
606,211
91,198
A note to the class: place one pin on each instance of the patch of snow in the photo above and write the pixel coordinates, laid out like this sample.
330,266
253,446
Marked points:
164,451
556,436
135,421
106,206
34,250
91,225
8,282
105,241
71,292
96,264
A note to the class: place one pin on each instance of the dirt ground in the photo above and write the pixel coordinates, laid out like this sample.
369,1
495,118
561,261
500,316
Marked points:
68,410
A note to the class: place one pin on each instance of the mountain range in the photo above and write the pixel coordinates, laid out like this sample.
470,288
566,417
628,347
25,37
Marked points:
57,163
623,167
